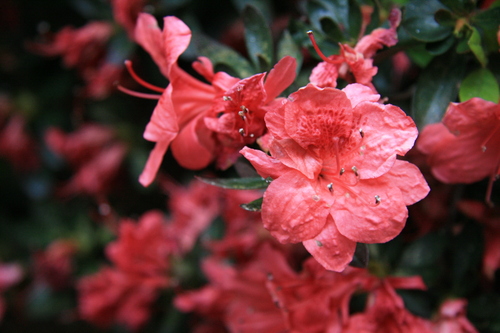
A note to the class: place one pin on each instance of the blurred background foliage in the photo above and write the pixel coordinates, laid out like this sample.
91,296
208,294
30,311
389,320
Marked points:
454,56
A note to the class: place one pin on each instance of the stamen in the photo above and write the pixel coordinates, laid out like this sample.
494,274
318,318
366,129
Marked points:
377,199
227,98
330,187
316,47
342,171
361,133
242,131
355,170
318,243
136,77
137,94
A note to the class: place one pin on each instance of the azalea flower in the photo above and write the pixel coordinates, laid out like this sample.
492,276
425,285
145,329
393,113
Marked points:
452,318
355,65
10,274
386,312
201,121
465,146
112,296
336,179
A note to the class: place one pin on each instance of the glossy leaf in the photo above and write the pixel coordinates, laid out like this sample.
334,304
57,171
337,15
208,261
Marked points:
220,54
258,38
237,183
355,19
436,88
361,256
480,83
287,46
254,206
440,47
419,22
474,43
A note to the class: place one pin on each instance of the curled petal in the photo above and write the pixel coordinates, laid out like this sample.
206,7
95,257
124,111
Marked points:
154,161
280,77
265,165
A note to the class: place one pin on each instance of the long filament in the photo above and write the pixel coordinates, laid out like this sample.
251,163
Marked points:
136,77
137,94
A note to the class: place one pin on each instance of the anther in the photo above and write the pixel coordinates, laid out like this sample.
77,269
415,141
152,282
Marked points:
342,170
242,131
355,170
330,187
361,133
377,199
483,148
318,243
227,98
251,135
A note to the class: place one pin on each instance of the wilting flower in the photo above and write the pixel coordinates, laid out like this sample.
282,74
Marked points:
465,146
202,121
336,179
355,65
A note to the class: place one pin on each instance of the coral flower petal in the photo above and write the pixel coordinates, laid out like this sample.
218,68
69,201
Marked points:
330,248
292,211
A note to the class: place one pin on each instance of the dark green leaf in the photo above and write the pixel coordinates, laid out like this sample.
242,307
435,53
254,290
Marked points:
440,47
254,206
461,7
287,46
361,256
223,55
420,55
418,20
355,19
237,183
476,47
318,10
258,38
374,18
488,19
331,29
445,18
436,88
480,83
264,6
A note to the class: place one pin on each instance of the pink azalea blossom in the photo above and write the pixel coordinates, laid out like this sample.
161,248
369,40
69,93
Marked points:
143,249
125,12
112,296
386,312
54,265
489,217
355,64
336,179
452,318
465,146
17,146
202,121
10,274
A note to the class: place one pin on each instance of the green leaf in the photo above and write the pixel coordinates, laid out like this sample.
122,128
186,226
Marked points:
287,46
476,47
440,47
480,83
254,206
237,183
436,88
445,18
361,256
420,55
258,38
462,7
355,19
488,19
222,55
419,22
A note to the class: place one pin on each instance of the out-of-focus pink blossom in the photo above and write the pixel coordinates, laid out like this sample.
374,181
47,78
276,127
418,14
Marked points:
143,249
452,318
54,266
125,12
17,146
95,155
10,274
489,217
112,296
